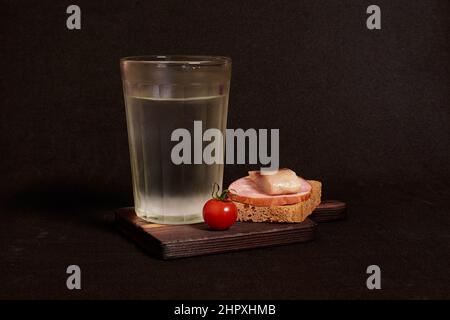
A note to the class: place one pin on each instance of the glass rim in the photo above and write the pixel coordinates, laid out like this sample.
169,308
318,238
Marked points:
178,60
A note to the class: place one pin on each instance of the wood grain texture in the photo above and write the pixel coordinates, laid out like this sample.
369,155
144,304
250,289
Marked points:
177,241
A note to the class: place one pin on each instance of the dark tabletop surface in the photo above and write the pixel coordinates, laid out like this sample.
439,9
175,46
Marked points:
406,233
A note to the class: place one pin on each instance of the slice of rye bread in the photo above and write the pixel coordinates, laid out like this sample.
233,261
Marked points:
288,213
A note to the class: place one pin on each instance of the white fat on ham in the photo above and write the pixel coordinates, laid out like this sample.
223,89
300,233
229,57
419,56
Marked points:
284,181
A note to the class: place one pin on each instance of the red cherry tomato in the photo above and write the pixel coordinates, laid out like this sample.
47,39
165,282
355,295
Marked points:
219,214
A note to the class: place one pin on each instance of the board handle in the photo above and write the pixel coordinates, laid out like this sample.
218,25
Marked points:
330,210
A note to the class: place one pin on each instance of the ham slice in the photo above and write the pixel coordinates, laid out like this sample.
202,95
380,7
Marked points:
247,190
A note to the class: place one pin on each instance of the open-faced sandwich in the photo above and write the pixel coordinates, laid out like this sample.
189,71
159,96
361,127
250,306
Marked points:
279,196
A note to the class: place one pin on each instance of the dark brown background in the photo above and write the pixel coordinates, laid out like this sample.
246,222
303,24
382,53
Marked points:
364,111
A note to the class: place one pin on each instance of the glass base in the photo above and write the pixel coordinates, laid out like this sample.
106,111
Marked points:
164,219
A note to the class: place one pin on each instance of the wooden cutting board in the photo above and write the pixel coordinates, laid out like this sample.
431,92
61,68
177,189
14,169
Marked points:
177,241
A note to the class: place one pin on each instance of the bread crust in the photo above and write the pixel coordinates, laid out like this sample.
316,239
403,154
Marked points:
288,213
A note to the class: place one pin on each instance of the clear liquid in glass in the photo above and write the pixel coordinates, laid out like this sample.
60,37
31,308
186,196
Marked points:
165,192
